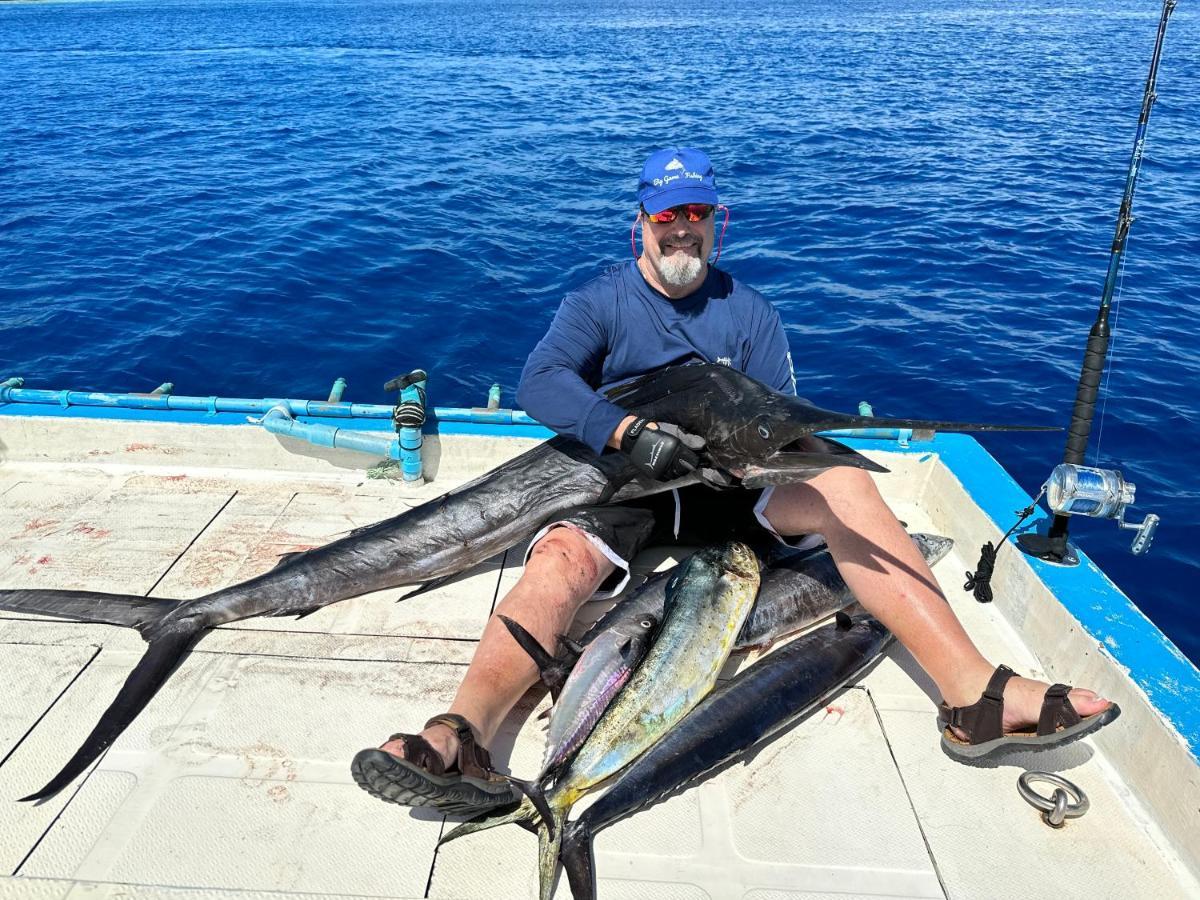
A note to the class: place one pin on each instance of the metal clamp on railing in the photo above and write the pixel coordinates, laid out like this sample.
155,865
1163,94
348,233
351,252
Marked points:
408,417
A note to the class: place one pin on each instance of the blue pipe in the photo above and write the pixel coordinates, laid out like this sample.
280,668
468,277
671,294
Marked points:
339,388
278,420
12,392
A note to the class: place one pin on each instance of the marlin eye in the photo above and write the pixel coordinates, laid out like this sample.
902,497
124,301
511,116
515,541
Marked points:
646,623
764,431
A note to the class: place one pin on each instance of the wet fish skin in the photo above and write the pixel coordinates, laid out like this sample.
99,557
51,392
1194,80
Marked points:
757,703
708,600
744,423
798,587
603,669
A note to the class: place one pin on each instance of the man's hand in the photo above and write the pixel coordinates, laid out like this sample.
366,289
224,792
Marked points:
663,452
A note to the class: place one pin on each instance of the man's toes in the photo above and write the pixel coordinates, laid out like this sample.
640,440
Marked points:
396,748
1087,703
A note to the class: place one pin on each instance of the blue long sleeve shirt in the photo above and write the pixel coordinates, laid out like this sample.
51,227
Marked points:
616,327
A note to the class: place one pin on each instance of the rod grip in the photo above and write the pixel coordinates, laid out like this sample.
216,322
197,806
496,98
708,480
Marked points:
1085,394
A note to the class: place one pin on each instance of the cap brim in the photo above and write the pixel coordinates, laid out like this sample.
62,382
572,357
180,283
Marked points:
677,196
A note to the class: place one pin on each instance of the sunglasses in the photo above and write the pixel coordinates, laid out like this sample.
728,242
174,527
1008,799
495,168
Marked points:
695,212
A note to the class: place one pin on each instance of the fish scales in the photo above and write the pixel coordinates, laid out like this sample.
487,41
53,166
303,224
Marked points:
757,703
745,424
605,666
708,601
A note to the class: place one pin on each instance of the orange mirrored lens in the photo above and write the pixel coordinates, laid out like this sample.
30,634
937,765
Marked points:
695,212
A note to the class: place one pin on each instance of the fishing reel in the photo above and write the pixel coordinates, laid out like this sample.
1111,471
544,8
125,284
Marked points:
1073,490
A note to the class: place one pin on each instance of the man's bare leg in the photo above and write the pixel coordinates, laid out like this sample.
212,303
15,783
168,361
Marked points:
563,570
888,575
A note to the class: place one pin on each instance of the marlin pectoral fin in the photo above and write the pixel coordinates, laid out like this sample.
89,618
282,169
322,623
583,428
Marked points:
551,670
428,586
790,468
162,656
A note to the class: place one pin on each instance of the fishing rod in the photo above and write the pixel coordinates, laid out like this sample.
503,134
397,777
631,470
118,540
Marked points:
1075,489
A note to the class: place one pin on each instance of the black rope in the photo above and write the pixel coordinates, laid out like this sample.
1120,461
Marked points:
979,582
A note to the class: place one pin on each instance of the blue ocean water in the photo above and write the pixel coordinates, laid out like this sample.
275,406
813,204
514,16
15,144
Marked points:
252,197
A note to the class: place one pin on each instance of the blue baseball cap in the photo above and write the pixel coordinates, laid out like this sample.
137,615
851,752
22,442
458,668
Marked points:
675,176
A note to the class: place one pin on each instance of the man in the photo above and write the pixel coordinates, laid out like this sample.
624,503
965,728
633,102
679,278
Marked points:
670,306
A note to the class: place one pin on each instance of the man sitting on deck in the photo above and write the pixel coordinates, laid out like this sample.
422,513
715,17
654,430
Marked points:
667,307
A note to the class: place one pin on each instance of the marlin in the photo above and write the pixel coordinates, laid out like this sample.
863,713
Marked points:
747,427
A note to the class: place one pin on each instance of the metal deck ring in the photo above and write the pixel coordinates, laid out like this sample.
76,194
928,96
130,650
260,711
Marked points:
1056,809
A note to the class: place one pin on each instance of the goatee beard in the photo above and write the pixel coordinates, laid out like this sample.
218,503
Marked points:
679,269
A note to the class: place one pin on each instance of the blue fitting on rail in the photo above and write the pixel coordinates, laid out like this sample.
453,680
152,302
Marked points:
335,393
279,420
7,386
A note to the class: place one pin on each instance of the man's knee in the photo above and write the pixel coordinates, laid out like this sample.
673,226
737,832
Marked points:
575,558
824,502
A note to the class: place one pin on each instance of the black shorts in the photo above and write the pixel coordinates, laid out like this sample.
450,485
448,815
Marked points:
696,515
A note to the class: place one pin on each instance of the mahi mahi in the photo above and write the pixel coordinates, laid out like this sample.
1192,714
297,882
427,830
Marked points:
708,600
796,589
746,426
757,703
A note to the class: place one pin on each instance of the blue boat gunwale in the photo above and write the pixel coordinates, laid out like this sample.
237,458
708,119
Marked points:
1154,663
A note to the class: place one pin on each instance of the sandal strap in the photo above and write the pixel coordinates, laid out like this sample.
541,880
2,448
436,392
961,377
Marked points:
1057,710
473,760
983,720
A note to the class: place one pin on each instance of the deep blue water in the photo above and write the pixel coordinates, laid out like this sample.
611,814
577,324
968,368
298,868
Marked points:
252,198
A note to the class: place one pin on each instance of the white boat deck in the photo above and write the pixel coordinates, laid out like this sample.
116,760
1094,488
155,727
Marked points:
236,777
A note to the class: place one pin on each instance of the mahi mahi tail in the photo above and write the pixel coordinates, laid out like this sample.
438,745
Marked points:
549,843
168,644
523,814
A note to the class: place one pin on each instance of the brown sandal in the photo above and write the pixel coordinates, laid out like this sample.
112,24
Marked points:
421,779
983,722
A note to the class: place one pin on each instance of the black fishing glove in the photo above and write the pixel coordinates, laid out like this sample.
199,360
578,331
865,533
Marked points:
663,454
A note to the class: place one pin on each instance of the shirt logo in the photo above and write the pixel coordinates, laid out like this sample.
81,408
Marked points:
724,361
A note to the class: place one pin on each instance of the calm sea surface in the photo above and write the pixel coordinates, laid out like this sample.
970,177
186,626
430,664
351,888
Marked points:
252,198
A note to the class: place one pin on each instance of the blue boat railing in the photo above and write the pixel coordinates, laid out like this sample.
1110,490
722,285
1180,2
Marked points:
283,416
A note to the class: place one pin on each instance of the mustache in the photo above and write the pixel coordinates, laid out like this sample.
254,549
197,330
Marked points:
681,242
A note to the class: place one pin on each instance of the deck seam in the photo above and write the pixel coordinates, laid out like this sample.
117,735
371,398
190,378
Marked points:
54,702
907,794
192,543
50,827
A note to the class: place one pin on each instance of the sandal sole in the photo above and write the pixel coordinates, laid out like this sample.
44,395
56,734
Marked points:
398,781
1002,746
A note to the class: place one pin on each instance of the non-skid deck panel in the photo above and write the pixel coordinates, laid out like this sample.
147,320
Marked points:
179,536
848,827
242,758
63,889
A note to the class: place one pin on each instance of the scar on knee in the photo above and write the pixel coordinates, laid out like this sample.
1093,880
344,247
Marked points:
572,554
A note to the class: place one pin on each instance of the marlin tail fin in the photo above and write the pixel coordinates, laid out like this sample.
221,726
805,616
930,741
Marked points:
577,860
161,658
